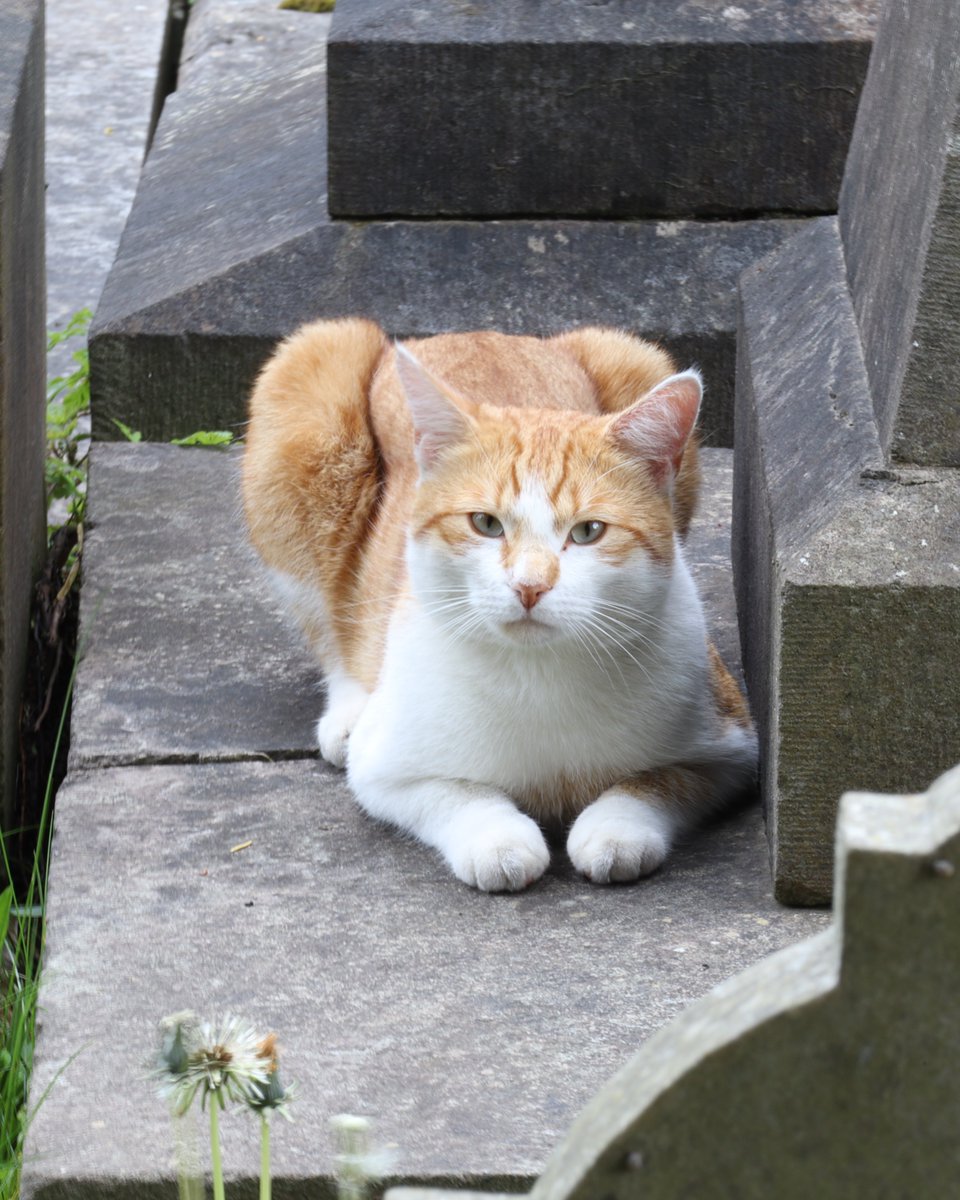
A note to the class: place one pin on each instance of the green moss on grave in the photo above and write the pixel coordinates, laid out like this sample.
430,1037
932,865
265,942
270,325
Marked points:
308,5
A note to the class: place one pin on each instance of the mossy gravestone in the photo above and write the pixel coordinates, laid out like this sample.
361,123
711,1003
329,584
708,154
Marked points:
829,1070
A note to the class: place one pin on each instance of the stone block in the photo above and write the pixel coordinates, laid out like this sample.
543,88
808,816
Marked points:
22,358
844,555
229,247
471,1027
603,110
846,570
900,223
186,658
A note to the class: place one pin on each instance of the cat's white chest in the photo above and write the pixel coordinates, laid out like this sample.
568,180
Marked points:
518,720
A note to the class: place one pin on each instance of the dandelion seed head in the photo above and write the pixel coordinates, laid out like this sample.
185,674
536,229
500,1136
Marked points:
271,1095
219,1059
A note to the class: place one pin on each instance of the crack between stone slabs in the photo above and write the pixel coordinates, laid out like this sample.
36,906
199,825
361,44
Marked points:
108,762
905,477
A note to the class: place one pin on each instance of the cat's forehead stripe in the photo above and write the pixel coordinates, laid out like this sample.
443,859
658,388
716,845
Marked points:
533,508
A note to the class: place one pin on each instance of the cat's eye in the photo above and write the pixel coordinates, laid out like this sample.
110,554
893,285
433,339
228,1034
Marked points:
487,524
585,532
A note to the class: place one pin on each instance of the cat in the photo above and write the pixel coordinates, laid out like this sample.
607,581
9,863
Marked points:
481,537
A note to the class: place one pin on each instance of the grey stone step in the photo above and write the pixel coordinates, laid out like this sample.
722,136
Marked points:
185,655
230,246
656,108
473,1027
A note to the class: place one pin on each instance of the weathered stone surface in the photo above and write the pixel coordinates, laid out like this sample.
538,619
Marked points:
614,110
98,113
900,223
186,657
22,357
847,573
228,38
839,1051
229,247
472,1027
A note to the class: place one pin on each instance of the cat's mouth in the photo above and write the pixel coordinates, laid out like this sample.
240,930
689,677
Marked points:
529,628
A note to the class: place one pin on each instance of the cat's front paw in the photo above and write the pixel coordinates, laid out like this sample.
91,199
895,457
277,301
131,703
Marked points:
504,856
618,839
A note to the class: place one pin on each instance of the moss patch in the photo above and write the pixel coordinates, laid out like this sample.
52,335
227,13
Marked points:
308,5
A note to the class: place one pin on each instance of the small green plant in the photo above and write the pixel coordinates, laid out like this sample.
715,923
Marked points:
23,852
203,437
21,939
206,437
68,403
132,435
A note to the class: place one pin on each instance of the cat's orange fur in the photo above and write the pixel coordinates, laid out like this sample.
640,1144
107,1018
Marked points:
330,475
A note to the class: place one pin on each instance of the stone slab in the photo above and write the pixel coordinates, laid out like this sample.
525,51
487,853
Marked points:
472,1027
900,223
229,247
22,359
227,38
185,657
98,114
846,570
605,110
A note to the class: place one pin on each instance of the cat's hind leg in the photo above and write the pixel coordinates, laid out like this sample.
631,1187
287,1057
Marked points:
346,695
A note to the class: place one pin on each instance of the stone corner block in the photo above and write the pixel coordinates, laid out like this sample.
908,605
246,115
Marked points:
847,575
900,222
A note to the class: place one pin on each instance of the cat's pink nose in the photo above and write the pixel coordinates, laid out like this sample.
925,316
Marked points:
530,593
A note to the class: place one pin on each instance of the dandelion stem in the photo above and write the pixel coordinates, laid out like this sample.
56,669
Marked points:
189,1176
218,1190
264,1157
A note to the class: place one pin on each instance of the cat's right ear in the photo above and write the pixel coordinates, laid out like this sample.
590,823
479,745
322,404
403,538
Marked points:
438,422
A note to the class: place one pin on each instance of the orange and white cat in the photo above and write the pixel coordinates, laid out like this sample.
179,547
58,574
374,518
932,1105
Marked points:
481,536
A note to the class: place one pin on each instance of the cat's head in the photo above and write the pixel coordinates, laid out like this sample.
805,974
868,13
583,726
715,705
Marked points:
532,526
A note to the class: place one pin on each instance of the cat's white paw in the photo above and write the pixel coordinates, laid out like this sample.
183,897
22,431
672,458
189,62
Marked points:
619,838
346,700
506,854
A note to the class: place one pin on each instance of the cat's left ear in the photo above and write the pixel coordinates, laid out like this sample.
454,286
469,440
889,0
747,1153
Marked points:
438,421
658,426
